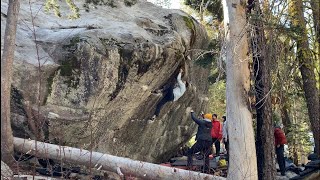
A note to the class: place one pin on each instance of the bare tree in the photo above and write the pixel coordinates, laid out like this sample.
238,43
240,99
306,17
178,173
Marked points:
243,160
201,10
6,75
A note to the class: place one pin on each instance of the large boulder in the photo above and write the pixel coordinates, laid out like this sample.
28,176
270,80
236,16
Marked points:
97,73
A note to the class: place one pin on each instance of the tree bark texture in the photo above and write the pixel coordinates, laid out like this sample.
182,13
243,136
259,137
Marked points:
315,6
243,160
286,120
201,11
126,166
307,68
265,133
6,75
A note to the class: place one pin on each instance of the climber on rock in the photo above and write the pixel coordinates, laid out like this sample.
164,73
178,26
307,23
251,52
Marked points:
171,93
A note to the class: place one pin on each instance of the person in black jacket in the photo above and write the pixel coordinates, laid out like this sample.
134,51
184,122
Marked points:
203,140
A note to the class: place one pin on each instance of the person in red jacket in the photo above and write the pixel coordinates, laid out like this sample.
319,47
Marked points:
216,134
280,139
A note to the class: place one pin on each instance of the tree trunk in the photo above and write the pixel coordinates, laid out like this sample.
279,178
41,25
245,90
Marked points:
315,6
6,75
107,162
285,117
265,133
284,104
201,11
295,154
243,160
307,68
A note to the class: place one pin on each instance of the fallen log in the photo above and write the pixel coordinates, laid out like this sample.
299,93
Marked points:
107,162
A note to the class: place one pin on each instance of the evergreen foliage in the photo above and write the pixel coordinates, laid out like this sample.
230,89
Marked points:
55,7
213,7
287,92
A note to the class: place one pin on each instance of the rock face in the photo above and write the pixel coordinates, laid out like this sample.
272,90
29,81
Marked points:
6,172
97,74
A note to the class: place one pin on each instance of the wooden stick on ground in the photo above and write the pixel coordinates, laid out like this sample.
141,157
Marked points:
107,162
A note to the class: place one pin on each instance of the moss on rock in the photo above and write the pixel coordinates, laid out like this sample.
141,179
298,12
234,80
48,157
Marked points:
191,26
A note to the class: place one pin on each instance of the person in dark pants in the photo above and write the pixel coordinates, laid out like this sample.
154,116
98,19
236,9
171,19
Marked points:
203,141
280,140
167,97
171,93
216,134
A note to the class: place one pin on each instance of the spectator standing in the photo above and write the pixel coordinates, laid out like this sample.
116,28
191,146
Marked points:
280,141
